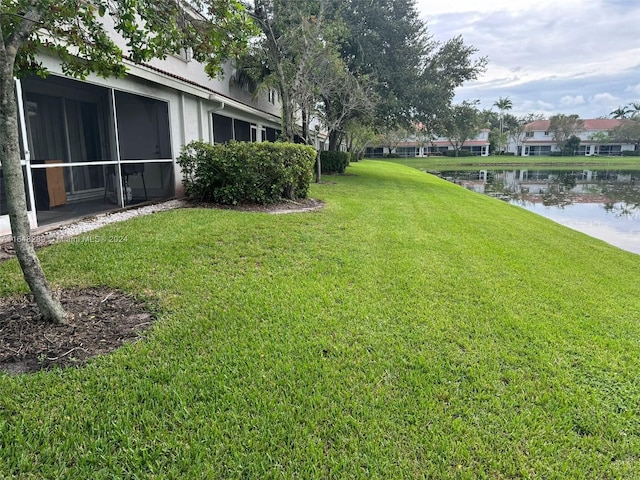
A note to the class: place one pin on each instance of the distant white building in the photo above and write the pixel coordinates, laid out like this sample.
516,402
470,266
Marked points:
413,147
537,139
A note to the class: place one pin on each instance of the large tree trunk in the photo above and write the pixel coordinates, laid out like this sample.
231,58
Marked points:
335,138
50,308
305,126
288,117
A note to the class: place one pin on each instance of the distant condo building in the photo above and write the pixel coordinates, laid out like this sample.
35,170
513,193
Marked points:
537,139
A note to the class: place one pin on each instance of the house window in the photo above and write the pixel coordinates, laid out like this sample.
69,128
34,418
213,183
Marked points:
222,128
241,131
272,96
546,134
271,134
528,134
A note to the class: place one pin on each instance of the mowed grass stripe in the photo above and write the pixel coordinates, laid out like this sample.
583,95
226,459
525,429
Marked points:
409,329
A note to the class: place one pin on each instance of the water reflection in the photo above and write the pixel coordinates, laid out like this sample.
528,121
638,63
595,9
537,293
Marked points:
602,203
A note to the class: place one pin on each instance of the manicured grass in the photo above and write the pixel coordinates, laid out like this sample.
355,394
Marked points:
435,163
411,329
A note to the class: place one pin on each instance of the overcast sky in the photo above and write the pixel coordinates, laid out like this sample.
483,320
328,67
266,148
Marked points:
547,56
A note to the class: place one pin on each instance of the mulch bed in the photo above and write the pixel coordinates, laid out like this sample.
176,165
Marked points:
100,321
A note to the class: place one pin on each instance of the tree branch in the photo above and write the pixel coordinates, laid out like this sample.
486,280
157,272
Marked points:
28,23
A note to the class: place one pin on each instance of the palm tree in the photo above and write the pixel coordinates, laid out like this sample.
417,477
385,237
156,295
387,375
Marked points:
503,104
620,112
634,109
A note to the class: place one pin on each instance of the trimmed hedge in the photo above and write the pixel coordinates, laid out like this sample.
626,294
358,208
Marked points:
631,153
461,153
241,172
334,162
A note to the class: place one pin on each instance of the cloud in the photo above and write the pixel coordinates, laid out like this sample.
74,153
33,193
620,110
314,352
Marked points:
604,99
633,89
564,57
537,106
571,101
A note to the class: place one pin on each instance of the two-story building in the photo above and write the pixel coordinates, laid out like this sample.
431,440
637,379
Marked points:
537,139
96,145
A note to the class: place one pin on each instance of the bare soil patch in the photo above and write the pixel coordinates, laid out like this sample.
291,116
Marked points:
100,321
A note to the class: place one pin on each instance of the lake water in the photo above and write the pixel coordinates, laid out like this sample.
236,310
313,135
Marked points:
604,204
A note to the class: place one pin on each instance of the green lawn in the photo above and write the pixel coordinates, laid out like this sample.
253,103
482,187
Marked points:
411,329
435,163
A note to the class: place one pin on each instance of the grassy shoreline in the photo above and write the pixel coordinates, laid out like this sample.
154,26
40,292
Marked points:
434,163
410,329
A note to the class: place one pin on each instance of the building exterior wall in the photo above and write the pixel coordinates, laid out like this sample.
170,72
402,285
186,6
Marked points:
173,88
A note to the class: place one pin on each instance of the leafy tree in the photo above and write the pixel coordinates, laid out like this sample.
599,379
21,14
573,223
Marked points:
341,60
600,138
358,137
413,76
342,95
386,41
74,32
628,132
298,54
285,55
462,123
491,119
571,145
562,127
497,140
447,66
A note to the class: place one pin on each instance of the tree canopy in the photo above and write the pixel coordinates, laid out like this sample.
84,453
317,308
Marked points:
463,123
562,127
378,64
628,132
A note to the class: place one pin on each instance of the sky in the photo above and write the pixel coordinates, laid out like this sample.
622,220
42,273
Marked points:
547,56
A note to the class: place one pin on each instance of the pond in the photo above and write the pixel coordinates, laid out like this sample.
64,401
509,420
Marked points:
604,204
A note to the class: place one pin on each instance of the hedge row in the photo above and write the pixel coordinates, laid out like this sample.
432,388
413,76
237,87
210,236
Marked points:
334,162
240,172
631,153
461,153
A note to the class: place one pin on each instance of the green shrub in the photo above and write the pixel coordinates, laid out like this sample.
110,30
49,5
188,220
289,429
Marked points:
334,162
631,153
461,153
240,172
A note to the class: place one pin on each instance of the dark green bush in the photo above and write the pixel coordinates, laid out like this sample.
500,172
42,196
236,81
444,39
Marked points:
631,153
334,162
240,172
461,153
